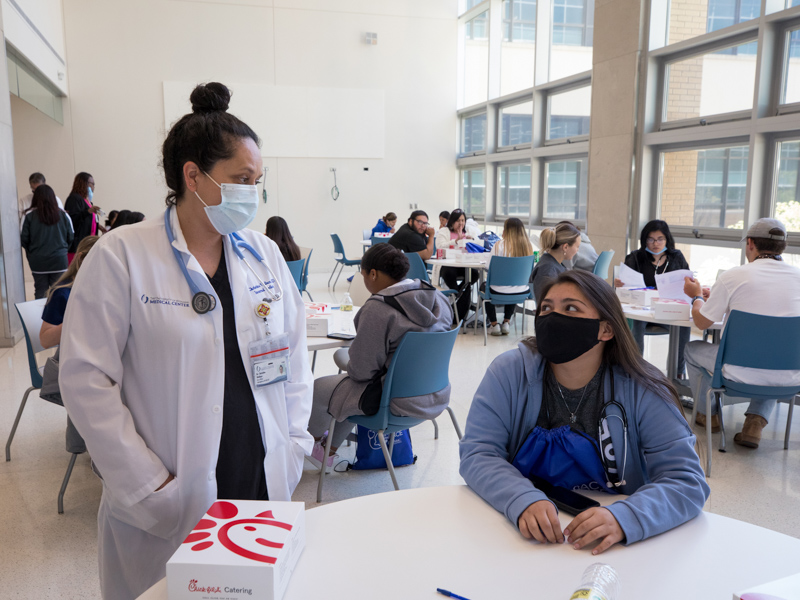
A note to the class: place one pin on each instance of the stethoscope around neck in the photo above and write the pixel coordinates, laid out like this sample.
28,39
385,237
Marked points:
620,479
203,302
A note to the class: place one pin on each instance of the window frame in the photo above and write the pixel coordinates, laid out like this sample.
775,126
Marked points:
499,124
461,203
462,126
546,141
555,159
498,214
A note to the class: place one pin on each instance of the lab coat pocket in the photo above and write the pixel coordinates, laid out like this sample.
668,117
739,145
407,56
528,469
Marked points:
158,514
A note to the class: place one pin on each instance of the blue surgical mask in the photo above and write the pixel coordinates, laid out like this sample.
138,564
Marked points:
656,253
90,193
236,210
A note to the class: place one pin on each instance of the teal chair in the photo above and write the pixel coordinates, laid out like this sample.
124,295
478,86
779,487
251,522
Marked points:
419,366
379,240
417,270
296,269
758,342
304,279
602,263
342,262
506,271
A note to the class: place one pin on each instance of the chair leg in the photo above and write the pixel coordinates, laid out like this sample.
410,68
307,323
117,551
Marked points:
327,452
789,424
482,313
708,432
392,439
332,272
67,475
314,361
341,270
455,422
718,398
435,429
388,458
309,295
16,422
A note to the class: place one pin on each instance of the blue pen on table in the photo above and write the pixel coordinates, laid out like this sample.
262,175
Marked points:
450,594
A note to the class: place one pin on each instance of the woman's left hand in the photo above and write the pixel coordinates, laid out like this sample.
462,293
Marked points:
591,525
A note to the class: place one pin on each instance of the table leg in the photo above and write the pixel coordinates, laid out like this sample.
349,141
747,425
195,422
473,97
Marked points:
672,353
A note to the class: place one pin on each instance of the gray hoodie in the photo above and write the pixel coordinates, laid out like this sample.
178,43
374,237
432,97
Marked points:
381,323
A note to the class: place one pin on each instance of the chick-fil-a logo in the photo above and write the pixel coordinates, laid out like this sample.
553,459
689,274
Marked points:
193,587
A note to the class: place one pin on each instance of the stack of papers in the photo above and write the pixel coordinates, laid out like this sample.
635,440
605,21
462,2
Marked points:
787,588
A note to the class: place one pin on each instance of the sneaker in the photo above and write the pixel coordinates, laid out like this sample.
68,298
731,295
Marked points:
750,436
505,328
318,452
700,419
495,329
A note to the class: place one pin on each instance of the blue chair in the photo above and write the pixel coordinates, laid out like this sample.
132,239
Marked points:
296,269
342,262
304,279
758,342
602,263
366,234
30,314
419,366
378,240
417,270
507,270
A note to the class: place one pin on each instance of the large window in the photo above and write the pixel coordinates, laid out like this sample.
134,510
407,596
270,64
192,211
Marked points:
691,18
518,50
476,60
514,190
568,113
516,124
787,192
473,134
791,76
572,37
566,189
473,183
724,13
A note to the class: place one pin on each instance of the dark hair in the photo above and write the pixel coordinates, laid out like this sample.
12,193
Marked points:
656,225
387,259
390,216
444,215
80,185
45,205
768,246
455,216
620,350
134,217
416,214
206,136
36,178
278,232
122,218
112,215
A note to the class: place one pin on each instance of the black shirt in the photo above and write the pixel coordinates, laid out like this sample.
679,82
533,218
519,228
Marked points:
240,463
642,261
559,403
408,240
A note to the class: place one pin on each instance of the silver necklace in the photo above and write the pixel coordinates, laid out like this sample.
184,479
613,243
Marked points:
572,415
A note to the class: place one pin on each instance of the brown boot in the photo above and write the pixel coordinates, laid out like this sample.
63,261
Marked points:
700,419
750,435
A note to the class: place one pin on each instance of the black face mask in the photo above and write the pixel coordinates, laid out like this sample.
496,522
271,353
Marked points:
561,339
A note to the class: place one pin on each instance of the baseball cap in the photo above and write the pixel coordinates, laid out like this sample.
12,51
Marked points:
762,228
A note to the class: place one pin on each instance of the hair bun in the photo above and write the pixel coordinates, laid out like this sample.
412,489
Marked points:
209,98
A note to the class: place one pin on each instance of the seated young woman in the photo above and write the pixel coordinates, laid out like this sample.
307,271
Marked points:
278,231
579,407
397,306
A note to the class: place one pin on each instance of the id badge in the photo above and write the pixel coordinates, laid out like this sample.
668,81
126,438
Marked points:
269,360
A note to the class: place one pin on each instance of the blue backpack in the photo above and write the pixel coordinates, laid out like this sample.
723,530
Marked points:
370,456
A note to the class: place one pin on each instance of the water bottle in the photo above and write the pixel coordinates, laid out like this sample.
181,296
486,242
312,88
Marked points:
347,303
599,582
535,257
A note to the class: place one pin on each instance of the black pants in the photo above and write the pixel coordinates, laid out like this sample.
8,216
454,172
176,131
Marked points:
491,311
452,276
42,283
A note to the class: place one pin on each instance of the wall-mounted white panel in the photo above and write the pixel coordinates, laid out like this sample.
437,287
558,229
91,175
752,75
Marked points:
300,122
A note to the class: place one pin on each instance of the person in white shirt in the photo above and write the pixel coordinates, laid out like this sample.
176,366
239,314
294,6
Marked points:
515,242
749,288
35,180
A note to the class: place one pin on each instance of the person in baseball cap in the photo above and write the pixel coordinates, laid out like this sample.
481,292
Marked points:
749,288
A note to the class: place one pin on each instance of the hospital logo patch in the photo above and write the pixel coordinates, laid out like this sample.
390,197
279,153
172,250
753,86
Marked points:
163,301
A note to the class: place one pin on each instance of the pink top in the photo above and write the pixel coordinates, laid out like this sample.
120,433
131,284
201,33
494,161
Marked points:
94,217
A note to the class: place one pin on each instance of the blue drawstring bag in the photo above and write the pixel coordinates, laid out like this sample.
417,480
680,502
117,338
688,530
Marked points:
370,456
473,247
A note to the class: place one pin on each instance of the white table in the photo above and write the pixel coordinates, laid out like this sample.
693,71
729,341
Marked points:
324,343
467,265
403,545
639,313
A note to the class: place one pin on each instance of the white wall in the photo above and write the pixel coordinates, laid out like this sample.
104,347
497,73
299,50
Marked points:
118,72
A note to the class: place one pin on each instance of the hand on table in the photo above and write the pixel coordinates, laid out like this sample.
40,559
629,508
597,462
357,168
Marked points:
592,525
540,521
692,287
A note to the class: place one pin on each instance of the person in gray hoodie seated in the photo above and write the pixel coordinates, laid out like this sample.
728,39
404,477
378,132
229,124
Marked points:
397,306
578,407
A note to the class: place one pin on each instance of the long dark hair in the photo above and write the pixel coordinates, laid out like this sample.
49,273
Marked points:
455,216
278,232
122,218
620,350
656,225
80,185
45,205
205,136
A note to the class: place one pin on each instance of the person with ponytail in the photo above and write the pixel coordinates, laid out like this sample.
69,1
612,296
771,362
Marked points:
385,224
397,306
657,255
515,242
162,368
578,407
558,244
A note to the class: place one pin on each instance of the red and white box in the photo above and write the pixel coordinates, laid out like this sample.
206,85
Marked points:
624,294
317,308
239,550
671,310
643,296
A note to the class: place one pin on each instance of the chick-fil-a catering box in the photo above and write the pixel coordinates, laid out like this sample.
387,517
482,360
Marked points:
239,550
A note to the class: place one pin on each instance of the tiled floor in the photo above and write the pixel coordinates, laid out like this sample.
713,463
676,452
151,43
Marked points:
45,555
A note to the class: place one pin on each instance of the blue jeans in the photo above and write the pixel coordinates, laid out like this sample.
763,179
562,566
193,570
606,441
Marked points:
700,360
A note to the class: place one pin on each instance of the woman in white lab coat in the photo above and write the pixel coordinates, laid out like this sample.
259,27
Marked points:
156,367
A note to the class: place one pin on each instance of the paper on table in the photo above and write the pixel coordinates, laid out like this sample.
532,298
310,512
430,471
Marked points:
670,285
629,277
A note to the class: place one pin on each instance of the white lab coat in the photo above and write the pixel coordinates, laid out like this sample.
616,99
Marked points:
142,377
